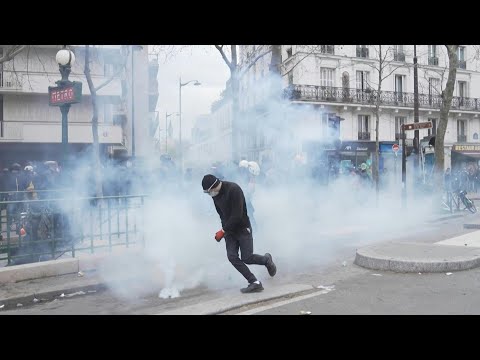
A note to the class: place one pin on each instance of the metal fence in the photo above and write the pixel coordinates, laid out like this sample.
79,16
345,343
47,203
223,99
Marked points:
37,230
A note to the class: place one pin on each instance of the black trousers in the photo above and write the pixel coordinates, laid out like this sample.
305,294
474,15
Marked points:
243,240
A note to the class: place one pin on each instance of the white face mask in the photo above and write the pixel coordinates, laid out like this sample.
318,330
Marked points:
213,193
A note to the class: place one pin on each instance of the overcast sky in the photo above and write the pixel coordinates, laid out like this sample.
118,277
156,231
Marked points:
202,63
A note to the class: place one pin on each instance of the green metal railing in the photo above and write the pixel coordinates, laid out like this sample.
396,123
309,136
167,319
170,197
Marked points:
69,225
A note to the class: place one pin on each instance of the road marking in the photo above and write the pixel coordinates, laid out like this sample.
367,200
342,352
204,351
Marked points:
282,303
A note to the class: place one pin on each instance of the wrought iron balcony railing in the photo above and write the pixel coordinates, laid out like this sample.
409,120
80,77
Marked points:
461,138
362,135
462,64
315,93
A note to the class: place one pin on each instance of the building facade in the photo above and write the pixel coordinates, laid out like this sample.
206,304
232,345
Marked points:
212,136
336,85
30,129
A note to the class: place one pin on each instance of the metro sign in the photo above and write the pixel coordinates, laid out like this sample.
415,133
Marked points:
61,95
417,126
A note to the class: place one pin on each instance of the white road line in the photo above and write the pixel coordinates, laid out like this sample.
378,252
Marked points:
282,303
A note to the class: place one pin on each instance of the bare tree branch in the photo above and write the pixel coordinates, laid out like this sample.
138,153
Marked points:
258,57
220,49
14,51
299,61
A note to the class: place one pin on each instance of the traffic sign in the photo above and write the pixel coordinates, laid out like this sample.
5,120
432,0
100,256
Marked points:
416,126
395,148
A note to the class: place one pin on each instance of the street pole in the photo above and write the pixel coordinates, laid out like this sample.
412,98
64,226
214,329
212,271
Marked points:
64,110
416,140
404,169
180,124
166,117
133,109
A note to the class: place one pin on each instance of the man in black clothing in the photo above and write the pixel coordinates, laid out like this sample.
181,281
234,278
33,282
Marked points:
236,228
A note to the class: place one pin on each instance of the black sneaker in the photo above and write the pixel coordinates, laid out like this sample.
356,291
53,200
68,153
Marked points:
253,287
271,267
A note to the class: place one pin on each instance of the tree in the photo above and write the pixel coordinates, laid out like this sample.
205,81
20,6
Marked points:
384,68
12,51
239,70
446,103
94,98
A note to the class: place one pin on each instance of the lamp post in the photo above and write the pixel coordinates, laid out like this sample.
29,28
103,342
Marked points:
180,85
65,59
134,48
166,134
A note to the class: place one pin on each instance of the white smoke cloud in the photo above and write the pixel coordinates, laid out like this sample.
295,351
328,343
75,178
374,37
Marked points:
300,222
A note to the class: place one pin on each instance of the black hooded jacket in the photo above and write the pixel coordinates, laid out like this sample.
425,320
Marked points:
231,206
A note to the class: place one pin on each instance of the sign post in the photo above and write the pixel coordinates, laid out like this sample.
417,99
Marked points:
63,96
405,127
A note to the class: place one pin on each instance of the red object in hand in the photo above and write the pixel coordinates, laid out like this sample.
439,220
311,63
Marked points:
219,235
22,232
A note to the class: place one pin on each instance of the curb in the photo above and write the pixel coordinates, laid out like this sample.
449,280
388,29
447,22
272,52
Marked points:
217,306
43,297
425,258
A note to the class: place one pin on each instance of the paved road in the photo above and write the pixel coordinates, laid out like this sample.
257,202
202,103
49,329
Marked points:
356,290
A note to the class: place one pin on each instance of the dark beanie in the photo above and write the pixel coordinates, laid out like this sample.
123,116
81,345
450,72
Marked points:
208,181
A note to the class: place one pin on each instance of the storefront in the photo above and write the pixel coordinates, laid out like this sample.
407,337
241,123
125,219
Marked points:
389,160
357,152
464,155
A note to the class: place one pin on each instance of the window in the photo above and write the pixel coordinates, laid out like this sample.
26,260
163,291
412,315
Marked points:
363,80
111,69
432,51
462,89
398,53
327,49
461,130
107,115
399,121
461,53
462,64
1,69
433,130
399,87
326,123
362,51
363,127
290,78
434,86
326,77
1,115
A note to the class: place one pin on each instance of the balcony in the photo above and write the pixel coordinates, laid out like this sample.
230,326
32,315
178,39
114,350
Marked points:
399,56
461,138
362,52
462,64
313,93
10,80
51,132
433,60
362,135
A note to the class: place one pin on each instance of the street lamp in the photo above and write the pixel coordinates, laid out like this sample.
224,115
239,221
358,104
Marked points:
166,117
134,48
180,85
65,59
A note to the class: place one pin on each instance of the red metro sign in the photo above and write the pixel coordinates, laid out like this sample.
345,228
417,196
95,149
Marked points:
69,94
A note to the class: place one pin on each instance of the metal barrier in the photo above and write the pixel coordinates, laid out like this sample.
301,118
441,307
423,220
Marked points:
53,227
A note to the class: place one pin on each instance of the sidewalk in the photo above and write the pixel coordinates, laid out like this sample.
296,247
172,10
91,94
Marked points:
454,254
